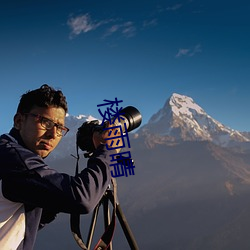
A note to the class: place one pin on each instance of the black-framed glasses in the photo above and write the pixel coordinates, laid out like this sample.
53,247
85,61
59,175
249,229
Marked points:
49,124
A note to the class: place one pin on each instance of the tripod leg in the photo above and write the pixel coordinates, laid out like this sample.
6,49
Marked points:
126,229
106,214
123,222
92,227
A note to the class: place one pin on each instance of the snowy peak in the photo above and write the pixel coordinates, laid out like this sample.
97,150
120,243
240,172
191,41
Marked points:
74,122
181,104
182,119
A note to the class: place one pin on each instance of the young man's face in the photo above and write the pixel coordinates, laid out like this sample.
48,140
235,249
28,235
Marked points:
35,136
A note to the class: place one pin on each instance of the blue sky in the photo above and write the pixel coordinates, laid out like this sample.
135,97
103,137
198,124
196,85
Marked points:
138,51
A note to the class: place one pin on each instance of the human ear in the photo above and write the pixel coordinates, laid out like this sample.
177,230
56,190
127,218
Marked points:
18,119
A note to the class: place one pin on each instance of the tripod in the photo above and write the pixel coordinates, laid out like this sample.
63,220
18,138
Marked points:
106,240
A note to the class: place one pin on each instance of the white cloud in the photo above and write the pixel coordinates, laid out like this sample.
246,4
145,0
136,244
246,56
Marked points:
83,24
182,52
174,7
127,29
197,49
150,23
189,52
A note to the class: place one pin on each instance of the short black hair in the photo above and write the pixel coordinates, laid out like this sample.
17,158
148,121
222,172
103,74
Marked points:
45,96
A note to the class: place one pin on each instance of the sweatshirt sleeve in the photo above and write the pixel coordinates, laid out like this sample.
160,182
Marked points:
27,179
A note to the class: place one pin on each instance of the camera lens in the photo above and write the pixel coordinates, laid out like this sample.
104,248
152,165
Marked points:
131,116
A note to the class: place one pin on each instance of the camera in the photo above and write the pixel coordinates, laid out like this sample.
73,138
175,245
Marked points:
128,118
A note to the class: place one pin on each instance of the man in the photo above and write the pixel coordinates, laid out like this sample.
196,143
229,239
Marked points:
28,187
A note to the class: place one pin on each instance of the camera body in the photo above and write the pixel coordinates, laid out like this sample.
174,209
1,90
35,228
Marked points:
129,116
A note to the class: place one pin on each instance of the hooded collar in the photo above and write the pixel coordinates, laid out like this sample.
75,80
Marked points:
16,134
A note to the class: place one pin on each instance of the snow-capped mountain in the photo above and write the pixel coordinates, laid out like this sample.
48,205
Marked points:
182,119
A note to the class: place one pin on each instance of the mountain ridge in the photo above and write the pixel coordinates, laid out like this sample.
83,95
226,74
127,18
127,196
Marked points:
182,119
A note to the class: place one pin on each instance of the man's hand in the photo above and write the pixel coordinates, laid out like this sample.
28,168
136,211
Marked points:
100,138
